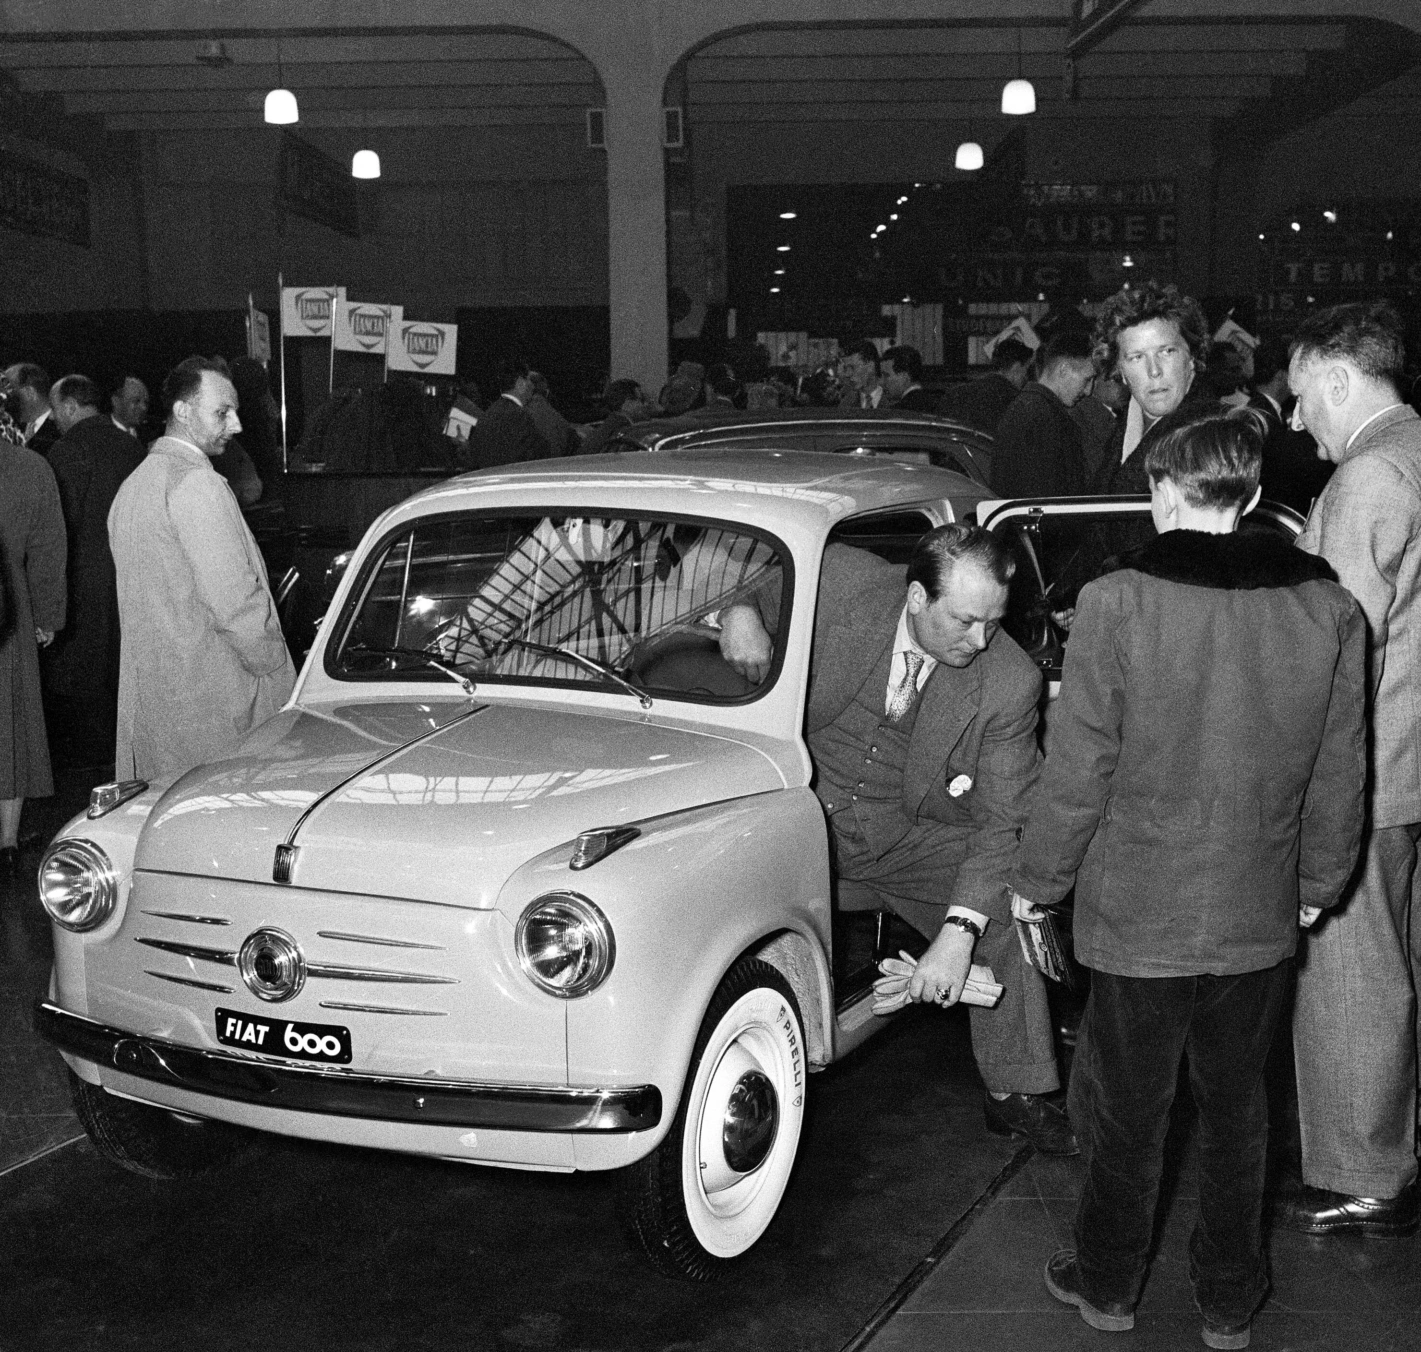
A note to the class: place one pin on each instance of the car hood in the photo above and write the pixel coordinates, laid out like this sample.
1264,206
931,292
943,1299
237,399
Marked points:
433,802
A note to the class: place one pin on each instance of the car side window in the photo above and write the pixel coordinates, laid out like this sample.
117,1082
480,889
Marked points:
890,535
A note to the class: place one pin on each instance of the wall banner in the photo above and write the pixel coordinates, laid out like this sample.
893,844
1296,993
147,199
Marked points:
307,311
422,347
361,327
312,184
258,333
38,200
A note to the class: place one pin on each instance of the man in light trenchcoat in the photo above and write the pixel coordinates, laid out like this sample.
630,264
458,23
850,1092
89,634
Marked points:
203,660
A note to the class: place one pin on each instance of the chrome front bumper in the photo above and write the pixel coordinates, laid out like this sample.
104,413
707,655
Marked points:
343,1093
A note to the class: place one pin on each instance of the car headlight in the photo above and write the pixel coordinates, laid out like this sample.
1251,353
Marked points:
565,944
77,885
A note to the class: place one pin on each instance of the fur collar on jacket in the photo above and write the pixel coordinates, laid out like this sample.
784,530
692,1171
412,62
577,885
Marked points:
1238,562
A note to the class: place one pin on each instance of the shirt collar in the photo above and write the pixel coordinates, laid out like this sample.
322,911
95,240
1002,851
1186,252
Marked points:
903,641
38,423
512,398
188,446
1352,439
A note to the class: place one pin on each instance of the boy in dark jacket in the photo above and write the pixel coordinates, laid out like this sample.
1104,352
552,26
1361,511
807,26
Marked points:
1204,794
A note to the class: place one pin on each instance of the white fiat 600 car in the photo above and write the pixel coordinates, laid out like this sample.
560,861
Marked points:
525,874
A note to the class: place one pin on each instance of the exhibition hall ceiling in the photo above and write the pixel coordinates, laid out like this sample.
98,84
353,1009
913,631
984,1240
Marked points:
1264,76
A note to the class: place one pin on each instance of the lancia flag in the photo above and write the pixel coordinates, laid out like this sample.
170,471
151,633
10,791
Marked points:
422,347
362,327
308,311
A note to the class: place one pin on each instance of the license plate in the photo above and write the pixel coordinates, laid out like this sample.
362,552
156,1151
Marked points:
326,1042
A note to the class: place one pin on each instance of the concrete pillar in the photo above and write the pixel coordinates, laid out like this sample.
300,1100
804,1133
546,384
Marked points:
636,225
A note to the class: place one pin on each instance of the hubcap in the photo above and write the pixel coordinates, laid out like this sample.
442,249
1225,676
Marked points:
752,1117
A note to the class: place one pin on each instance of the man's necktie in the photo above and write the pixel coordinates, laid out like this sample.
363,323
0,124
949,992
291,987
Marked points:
907,689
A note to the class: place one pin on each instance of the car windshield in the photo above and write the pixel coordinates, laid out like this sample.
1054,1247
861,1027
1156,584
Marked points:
567,599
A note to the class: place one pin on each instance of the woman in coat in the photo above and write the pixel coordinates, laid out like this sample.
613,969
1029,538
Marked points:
32,559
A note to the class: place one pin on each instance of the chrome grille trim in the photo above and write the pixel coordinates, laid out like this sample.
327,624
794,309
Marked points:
372,939
385,1009
191,919
226,957
337,972
188,981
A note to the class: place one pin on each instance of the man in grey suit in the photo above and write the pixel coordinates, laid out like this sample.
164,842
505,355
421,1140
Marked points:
921,721
1354,1032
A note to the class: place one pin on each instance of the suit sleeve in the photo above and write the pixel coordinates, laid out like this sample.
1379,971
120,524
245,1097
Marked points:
1333,805
209,529
1007,765
1359,530
1085,747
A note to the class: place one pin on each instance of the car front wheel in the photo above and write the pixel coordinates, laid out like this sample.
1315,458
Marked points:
712,1187
150,1141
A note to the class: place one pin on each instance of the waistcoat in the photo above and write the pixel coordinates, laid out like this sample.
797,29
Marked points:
860,758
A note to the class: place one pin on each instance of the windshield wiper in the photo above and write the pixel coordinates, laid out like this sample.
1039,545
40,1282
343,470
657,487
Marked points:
591,663
420,656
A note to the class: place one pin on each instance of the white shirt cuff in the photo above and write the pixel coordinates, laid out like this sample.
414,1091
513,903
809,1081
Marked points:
967,913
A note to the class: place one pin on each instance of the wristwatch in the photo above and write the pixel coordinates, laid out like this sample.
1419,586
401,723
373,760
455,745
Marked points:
962,922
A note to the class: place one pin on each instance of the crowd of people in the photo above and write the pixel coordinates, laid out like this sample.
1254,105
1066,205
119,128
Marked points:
1233,786
134,591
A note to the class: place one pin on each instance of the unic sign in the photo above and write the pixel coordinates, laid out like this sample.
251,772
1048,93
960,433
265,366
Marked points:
421,346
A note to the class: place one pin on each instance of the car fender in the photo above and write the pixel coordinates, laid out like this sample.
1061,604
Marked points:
695,891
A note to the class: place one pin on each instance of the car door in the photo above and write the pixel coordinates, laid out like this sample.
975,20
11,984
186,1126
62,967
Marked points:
1060,544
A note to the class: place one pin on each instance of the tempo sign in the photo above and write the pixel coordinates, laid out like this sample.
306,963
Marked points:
361,327
422,347
309,311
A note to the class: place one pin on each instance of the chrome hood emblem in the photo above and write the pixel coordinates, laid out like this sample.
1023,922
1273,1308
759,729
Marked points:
272,965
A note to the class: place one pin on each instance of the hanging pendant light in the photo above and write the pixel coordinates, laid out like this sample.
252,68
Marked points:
969,156
1018,96
280,108
366,164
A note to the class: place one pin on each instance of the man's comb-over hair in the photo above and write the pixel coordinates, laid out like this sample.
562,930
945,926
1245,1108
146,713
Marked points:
1370,334
943,548
1213,460
80,389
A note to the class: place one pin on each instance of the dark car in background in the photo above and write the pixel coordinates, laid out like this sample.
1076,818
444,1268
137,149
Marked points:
895,434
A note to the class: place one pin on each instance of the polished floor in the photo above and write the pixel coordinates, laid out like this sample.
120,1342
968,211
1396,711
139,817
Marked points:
907,1228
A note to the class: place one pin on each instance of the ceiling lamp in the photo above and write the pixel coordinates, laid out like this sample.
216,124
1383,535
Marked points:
366,164
280,109
1018,96
969,156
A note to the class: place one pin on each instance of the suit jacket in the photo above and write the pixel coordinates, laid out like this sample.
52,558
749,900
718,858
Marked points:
1202,787
89,462
1293,472
203,660
980,402
1367,525
505,435
978,720
1038,448
918,400
45,436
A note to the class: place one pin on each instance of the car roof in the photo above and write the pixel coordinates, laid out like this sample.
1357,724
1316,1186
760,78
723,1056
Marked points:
764,485
659,433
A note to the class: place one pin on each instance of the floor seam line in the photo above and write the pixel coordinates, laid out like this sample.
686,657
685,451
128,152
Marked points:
35,1158
930,1261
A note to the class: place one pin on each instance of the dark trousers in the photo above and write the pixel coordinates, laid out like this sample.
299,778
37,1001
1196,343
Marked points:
1133,1035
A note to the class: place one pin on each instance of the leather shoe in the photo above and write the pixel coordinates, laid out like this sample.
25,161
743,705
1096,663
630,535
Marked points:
1036,1118
1319,1211
1227,1335
1063,1280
